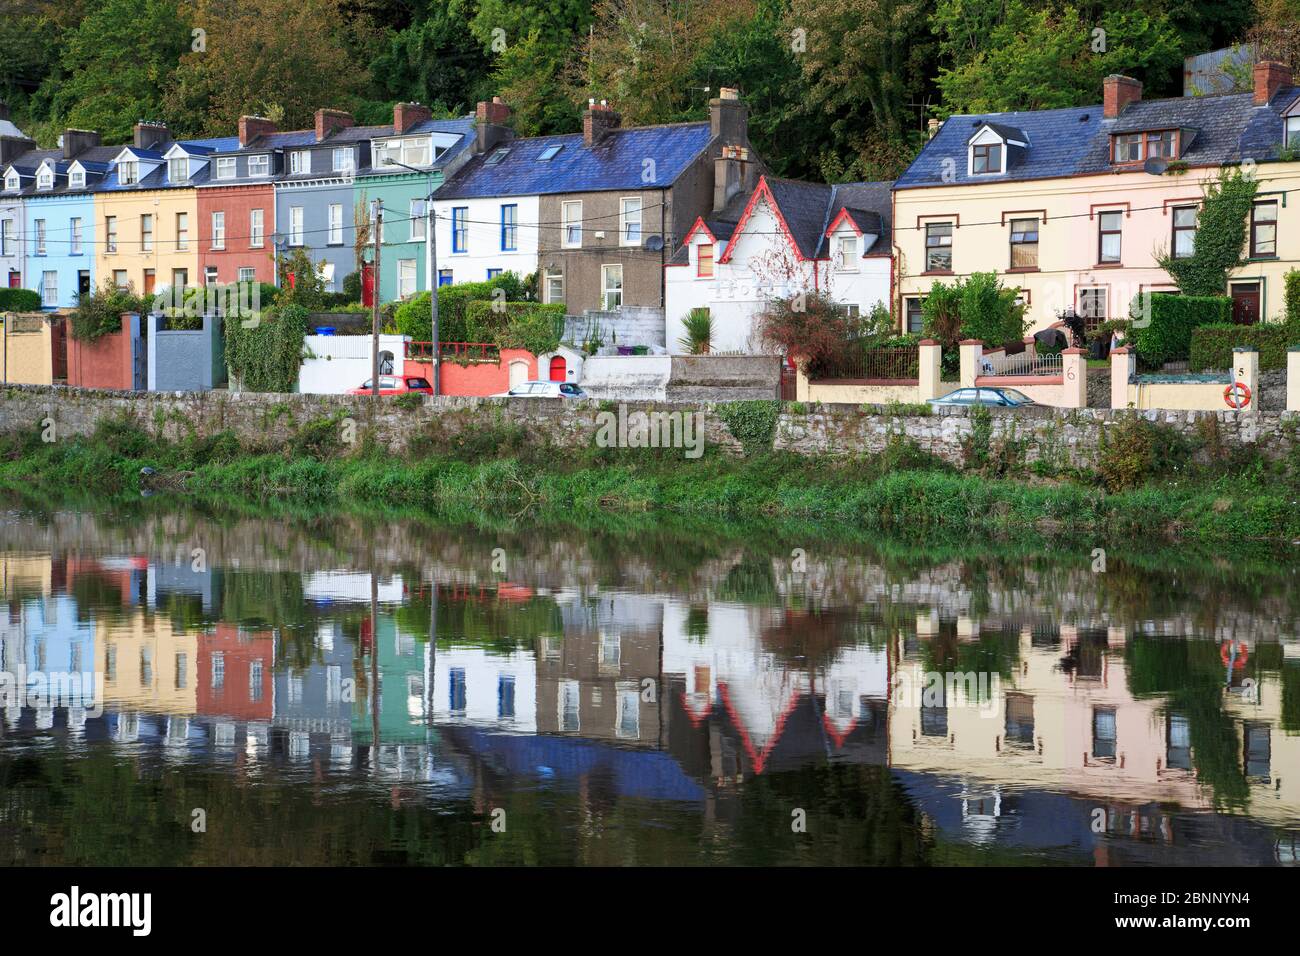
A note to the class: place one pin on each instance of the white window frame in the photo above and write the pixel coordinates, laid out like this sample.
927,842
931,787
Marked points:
417,220
77,178
211,276
45,178
184,168
146,234
6,237
407,275
335,236
625,220
295,225
219,229
1291,138
299,161
13,182
38,226
344,159
247,274
263,165
128,172
848,254
606,270
227,166
182,231
256,228
50,288
554,277
110,234
571,225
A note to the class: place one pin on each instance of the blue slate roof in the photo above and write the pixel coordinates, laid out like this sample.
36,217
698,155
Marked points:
617,161
1222,130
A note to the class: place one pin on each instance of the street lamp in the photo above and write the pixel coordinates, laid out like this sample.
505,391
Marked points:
430,268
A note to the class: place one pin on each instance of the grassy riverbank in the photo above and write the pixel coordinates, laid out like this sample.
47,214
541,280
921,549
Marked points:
1163,491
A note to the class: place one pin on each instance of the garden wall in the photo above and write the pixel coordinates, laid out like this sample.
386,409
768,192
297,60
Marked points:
337,363
186,359
110,361
1059,437
27,348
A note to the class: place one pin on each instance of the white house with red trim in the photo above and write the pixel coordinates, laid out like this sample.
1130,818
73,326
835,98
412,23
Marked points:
782,238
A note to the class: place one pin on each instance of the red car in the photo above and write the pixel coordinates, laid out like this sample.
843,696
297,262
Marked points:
396,385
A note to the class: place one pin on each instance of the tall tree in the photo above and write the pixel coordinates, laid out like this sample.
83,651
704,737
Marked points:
434,59
1277,31
116,65
270,57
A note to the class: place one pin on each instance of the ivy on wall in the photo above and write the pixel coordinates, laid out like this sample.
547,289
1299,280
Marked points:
752,423
266,353
1220,237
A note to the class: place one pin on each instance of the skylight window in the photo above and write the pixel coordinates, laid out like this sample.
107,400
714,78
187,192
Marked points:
549,153
495,158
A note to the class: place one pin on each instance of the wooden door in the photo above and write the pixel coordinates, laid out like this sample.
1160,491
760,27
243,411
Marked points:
1245,303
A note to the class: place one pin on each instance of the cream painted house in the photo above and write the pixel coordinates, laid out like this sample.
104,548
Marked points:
1074,206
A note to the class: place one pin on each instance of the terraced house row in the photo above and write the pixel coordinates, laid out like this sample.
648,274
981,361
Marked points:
1072,206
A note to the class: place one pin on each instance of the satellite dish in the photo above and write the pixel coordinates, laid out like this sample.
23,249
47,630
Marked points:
1155,166
654,243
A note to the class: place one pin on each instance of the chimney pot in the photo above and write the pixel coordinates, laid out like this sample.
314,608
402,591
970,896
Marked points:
1270,76
327,121
148,134
1119,92
251,127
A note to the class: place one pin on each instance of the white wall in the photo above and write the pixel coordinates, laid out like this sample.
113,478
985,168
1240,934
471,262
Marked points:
483,247
762,267
483,671
341,362
626,377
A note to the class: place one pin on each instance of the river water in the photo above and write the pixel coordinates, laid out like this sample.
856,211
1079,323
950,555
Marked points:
198,686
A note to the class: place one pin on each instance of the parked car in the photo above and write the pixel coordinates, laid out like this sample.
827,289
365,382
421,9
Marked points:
540,389
1003,397
395,385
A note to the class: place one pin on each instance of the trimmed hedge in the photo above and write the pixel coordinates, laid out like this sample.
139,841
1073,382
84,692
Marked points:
516,325
1212,345
413,317
1291,293
1167,337
19,300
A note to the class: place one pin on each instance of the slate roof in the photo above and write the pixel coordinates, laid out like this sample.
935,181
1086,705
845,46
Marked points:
617,161
808,210
1076,141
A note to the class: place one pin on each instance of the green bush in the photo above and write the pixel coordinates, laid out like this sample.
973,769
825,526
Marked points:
516,325
100,313
1135,450
1291,293
266,357
19,300
413,318
1167,336
1212,345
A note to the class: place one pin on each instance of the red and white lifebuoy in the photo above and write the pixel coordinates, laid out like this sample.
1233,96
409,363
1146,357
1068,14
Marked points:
1237,395
1226,651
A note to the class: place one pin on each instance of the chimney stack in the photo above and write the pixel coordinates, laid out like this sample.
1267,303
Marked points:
733,172
932,127
327,121
151,135
597,121
1270,76
406,115
251,127
1119,92
729,118
77,141
491,118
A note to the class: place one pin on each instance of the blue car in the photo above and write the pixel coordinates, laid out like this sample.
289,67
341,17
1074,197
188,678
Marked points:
999,397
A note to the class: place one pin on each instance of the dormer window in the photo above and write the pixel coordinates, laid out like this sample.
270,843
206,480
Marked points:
12,183
408,152
343,161
986,158
128,173
1139,147
77,178
45,179
259,165
848,257
178,169
299,161
226,167
1293,132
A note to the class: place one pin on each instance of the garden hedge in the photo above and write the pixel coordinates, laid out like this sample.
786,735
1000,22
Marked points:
19,300
1212,345
1167,337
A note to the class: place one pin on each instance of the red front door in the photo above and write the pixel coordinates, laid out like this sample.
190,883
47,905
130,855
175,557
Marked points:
558,369
1245,303
15,280
368,284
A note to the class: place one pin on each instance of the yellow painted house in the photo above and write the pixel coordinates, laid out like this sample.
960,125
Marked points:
1074,206
146,211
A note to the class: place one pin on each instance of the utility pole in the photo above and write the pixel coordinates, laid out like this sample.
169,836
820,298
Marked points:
431,268
374,318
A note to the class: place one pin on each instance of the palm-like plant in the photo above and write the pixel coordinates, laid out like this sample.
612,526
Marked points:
699,330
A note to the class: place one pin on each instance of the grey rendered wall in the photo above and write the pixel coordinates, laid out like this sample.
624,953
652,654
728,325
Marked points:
186,361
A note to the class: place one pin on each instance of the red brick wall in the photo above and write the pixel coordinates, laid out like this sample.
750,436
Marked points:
233,699
236,202
478,378
104,363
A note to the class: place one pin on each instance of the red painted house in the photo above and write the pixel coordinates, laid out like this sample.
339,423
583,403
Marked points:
234,673
236,223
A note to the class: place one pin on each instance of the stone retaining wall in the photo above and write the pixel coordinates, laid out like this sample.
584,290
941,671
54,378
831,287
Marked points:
1059,436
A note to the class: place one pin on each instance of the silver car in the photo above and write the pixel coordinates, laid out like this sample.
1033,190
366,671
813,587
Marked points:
997,397
541,389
